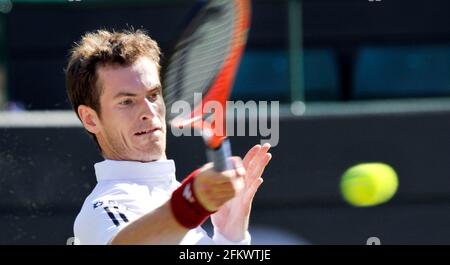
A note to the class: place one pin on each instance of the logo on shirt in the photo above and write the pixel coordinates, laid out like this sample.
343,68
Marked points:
98,204
108,202
114,212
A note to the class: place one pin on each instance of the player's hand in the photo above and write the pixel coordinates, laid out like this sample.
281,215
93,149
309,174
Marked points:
232,219
213,189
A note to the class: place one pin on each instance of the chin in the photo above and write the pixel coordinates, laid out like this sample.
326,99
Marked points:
149,151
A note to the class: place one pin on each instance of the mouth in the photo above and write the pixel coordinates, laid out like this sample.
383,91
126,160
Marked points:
145,132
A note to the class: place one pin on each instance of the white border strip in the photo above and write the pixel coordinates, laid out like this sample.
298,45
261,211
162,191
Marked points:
67,118
39,119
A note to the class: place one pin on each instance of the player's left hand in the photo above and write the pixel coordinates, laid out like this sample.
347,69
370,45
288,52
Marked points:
232,219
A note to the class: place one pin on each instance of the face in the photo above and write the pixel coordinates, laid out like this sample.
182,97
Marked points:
132,121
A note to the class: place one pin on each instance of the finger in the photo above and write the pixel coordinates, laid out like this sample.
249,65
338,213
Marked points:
222,195
253,188
263,163
251,154
226,181
267,158
259,155
257,168
219,202
222,178
264,149
238,184
222,188
238,166
255,184
226,190
207,166
261,160
214,193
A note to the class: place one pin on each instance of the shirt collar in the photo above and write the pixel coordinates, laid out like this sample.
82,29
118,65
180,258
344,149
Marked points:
161,170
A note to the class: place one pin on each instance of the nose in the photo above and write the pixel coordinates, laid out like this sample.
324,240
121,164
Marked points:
149,110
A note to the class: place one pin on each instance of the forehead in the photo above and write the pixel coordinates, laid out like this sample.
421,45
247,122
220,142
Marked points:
142,75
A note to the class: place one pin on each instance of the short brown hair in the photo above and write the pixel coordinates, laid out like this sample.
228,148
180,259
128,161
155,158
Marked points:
101,48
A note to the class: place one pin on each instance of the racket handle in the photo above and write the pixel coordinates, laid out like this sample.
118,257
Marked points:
220,156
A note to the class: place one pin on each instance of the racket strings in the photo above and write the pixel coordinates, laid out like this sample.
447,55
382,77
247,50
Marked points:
200,56
208,59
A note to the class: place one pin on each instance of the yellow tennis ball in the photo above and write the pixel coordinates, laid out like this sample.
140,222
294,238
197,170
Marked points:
369,184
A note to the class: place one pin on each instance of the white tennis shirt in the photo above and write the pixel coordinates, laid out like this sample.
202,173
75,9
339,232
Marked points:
127,190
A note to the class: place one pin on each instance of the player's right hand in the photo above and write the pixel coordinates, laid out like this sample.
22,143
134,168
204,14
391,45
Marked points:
213,189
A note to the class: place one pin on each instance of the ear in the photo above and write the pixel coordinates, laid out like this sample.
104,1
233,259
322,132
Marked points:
89,118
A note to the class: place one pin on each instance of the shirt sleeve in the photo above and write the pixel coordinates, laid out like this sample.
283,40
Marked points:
220,239
104,215
198,236
101,219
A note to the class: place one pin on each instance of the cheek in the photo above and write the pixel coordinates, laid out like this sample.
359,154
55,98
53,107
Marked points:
116,122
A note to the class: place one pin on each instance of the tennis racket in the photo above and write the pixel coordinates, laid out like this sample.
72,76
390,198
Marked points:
204,62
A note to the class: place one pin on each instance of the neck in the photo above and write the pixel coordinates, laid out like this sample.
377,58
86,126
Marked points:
137,159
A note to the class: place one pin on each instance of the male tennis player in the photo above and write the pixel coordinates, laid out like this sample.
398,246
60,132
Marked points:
114,86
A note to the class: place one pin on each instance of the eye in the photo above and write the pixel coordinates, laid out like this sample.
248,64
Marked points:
154,95
126,102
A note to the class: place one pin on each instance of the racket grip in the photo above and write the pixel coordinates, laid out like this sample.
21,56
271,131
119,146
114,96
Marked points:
220,156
